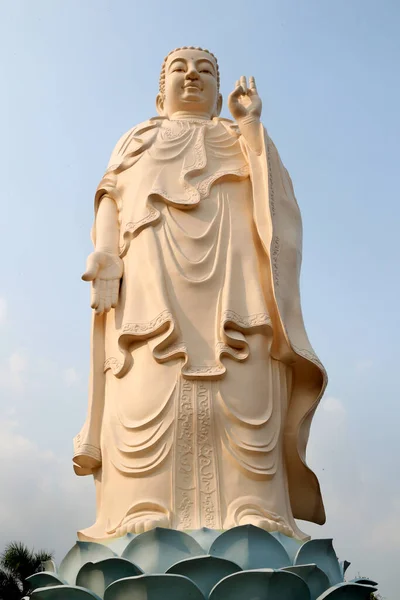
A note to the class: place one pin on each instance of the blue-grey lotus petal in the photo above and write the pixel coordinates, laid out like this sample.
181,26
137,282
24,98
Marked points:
348,591
263,584
49,566
63,592
316,579
205,537
205,571
154,587
321,553
79,555
118,545
251,548
290,544
44,579
344,565
99,575
157,550
363,581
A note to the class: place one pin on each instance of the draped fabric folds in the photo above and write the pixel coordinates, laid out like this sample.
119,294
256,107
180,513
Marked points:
203,381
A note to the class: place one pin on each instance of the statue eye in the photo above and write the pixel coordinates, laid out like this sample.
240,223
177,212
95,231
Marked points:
179,70
205,71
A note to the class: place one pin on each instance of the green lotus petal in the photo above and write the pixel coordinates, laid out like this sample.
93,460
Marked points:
157,550
44,579
205,536
251,548
262,584
205,571
316,579
79,555
290,544
321,553
99,575
348,591
63,592
154,587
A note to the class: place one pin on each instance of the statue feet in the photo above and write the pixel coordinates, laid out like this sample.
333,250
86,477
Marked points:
269,524
141,523
251,510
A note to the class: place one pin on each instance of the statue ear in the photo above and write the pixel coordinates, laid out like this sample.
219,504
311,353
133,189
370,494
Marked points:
219,104
160,104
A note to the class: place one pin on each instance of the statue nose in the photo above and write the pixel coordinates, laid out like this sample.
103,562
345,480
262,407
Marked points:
192,74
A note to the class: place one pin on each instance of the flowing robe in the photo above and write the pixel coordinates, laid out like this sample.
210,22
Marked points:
203,381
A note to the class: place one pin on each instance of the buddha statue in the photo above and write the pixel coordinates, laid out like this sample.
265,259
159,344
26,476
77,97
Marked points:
203,382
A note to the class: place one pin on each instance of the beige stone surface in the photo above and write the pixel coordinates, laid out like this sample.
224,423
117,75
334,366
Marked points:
203,382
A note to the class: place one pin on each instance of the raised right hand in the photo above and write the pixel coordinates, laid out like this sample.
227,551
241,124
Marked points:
104,270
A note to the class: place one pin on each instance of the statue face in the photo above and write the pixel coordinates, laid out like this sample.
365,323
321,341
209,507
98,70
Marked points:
190,84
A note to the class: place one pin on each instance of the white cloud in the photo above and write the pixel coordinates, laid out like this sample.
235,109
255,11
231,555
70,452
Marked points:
17,362
71,376
13,371
42,502
331,404
360,491
3,310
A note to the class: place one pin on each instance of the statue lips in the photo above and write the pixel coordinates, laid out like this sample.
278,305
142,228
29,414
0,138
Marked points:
191,86
192,92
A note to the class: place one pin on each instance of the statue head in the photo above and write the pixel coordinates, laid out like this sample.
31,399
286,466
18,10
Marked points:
189,83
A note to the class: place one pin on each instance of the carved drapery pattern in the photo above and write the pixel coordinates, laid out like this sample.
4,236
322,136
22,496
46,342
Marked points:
275,250
270,181
179,349
247,321
150,327
205,186
195,479
114,364
139,331
133,227
213,371
184,484
209,501
312,357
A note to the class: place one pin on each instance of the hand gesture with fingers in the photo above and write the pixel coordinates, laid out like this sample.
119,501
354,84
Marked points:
104,270
244,101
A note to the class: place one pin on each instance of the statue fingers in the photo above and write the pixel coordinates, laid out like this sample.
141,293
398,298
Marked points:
252,86
95,294
102,296
114,293
107,296
237,92
92,268
243,83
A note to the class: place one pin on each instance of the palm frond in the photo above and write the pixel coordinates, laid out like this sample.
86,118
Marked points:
10,588
21,562
43,555
15,554
39,558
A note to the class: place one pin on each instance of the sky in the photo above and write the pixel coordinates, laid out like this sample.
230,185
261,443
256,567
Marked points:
76,75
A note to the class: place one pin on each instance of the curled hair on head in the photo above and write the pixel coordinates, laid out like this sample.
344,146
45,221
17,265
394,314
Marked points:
162,74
